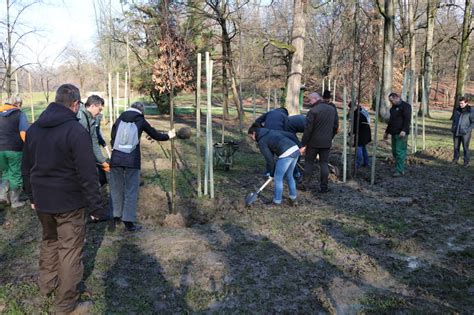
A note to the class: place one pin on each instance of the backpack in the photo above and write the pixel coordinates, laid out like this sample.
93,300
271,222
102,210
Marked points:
126,138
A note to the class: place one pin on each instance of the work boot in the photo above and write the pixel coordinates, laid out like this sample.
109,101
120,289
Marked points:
15,199
131,227
4,186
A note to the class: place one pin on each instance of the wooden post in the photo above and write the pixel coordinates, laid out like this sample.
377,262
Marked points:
415,114
129,72
423,110
17,90
125,96
269,99
335,89
117,101
209,171
111,114
31,99
344,129
254,104
329,84
322,90
275,98
376,118
198,125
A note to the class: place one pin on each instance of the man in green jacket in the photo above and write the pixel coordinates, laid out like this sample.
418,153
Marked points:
13,126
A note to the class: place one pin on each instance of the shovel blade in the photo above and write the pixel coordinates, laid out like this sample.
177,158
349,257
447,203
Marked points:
251,198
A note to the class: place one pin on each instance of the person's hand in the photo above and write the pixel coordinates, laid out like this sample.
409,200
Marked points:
33,206
385,136
403,134
172,133
303,150
106,167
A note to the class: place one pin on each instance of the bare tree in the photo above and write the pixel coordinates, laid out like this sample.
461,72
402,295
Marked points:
13,33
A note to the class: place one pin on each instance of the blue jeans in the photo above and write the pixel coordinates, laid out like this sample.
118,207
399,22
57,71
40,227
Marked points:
124,183
362,156
284,168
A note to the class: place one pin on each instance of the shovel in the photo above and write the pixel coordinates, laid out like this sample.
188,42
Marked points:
252,197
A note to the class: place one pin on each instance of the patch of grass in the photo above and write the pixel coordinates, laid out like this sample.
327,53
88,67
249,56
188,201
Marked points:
374,303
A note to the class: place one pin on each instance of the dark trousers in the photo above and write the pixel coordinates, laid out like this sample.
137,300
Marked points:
311,154
60,262
464,140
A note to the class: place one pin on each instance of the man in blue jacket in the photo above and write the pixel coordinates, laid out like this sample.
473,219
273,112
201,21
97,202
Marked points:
125,162
60,179
283,145
463,123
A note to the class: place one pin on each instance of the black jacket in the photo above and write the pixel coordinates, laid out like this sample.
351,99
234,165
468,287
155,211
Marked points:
322,123
400,118
59,171
274,142
276,119
364,132
133,159
463,121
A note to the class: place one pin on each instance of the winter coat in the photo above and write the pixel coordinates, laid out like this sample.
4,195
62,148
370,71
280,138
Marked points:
58,167
90,123
276,119
364,132
463,121
133,159
400,118
296,123
13,125
274,142
322,123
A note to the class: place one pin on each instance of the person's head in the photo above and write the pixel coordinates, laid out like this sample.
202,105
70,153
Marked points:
327,95
14,101
140,106
252,132
350,105
314,97
394,98
463,101
94,105
69,96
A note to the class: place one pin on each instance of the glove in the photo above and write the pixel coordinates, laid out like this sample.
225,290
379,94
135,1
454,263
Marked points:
172,133
106,167
403,134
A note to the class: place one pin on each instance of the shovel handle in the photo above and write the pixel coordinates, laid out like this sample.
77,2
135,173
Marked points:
108,151
265,184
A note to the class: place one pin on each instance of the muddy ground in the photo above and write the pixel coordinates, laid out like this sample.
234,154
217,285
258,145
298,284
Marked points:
404,245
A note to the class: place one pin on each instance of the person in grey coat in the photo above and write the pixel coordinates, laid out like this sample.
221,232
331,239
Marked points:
463,123
322,124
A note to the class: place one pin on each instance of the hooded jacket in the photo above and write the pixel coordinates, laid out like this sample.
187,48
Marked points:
133,159
463,121
274,142
13,125
276,119
59,171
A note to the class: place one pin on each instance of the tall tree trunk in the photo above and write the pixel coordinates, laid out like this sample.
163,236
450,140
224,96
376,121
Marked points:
431,10
388,47
463,65
297,40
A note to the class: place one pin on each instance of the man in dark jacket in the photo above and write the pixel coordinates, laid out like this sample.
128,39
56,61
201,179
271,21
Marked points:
61,180
13,126
399,128
362,134
276,119
322,124
463,123
126,162
283,145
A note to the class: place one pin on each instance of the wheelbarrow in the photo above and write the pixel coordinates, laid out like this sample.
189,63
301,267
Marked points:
224,153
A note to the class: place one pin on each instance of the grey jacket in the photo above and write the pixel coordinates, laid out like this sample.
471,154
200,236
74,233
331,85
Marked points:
322,123
89,122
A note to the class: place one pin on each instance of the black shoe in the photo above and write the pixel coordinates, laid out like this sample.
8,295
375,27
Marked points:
323,190
131,227
454,162
293,202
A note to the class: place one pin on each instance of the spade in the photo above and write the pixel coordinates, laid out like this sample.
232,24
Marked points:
252,197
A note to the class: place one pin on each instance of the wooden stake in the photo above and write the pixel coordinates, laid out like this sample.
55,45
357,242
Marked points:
423,110
334,94
117,101
376,118
344,129
31,99
253,104
111,117
269,99
198,125
125,96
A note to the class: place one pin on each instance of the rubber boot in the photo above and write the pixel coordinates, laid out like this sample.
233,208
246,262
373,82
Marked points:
4,186
15,199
